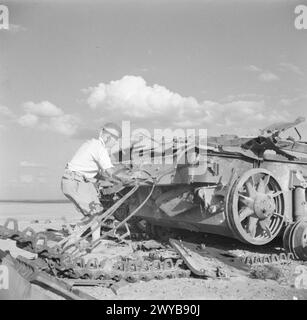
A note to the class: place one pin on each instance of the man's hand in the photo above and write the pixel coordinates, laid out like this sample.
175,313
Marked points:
132,177
119,175
139,175
126,176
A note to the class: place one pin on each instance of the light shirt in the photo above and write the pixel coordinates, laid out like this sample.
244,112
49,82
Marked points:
91,157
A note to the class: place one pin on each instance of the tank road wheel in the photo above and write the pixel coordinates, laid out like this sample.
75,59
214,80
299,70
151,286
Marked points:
295,239
255,207
287,236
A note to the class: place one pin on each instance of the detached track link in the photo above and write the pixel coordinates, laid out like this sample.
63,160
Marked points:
269,259
62,265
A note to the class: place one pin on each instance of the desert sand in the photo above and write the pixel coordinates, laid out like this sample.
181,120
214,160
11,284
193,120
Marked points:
53,215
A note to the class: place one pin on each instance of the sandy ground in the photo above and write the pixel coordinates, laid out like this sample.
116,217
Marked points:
198,289
53,216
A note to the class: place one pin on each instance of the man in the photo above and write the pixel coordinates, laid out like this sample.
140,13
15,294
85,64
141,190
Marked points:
81,173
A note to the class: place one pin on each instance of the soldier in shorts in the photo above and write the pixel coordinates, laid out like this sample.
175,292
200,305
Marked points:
81,173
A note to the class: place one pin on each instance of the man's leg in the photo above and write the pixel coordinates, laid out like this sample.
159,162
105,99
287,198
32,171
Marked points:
85,197
69,188
90,203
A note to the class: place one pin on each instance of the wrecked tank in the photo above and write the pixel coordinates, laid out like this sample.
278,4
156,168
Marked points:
249,188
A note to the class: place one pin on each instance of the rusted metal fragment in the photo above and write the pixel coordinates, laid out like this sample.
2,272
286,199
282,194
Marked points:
29,272
282,126
199,265
92,283
176,201
209,262
260,144
151,245
116,286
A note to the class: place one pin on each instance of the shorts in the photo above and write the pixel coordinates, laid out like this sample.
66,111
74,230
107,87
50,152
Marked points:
82,194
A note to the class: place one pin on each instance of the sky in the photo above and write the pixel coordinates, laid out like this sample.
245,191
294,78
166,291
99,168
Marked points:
67,67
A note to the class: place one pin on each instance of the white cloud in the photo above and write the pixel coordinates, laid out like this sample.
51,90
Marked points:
268,77
29,164
5,111
15,28
42,179
3,128
253,68
286,66
243,96
26,178
48,117
131,98
28,120
66,124
265,76
44,109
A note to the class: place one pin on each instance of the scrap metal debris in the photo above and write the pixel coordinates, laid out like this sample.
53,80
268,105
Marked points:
29,271
150,245
140,267
209,262
265,272
240,194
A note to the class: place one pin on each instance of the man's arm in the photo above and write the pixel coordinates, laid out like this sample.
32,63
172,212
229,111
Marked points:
119,174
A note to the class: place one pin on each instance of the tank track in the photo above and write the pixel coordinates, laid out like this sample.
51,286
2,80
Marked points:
53,260
281,258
